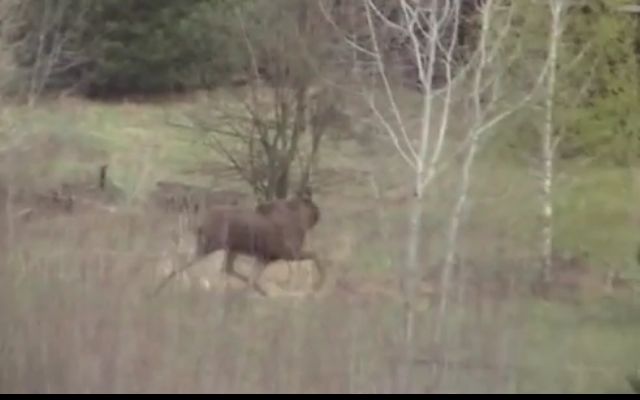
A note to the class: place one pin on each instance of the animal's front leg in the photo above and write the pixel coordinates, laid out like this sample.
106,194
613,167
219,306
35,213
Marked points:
289,274
320,267
174,273
258,269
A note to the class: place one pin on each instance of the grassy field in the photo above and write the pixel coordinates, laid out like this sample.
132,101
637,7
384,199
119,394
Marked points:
74,315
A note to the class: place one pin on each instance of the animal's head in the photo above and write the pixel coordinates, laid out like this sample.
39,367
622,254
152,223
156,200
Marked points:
299,209
307,209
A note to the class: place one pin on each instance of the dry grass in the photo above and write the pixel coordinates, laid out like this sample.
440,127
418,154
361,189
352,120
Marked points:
76,319
75,316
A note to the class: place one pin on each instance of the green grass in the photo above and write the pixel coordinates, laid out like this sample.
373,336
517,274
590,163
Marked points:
580,350
594,206
134,139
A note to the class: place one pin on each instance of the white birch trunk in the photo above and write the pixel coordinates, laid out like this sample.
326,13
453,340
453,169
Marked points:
480,126
461,202
452,235
548,146
419,160
410,278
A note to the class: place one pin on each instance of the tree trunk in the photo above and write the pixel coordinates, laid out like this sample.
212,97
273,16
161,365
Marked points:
410,277
548,144
452,236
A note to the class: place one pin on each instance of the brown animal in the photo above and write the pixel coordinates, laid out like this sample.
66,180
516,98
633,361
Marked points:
273,231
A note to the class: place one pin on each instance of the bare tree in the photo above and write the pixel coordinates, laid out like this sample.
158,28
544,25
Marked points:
43,42
274,126
491,103
430,29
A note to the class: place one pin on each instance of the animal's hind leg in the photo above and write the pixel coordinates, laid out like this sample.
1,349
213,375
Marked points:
173,274
229,260
258,269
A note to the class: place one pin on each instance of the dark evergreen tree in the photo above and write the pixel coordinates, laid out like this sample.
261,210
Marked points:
118,47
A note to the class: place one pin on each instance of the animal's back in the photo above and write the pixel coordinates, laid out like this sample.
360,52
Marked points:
236,229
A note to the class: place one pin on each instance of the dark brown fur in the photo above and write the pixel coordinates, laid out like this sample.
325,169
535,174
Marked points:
273,231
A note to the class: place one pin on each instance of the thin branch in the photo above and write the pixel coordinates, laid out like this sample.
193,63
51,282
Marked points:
427,99
387,86
519,104
447,103
409,158
345,36
384,19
